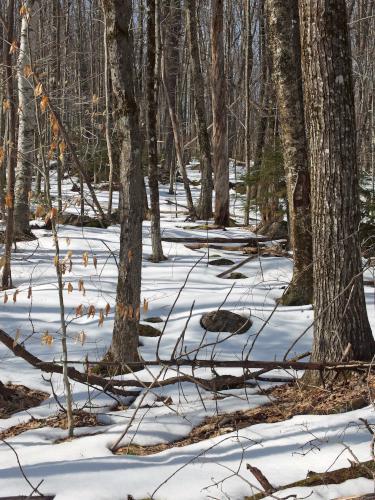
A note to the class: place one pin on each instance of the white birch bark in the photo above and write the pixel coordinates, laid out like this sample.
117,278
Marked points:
26,124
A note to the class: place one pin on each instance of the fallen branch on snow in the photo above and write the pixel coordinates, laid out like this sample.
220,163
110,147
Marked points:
49,367
196,239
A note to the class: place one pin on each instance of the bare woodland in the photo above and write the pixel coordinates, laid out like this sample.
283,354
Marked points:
180,135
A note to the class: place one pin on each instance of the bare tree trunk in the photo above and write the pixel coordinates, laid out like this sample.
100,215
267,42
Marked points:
152,91
341,326
121,56
262,126
26,126
220,136
205,202
248,72
56,82
6,279
108,121
177,141
171,20
3,134
284,37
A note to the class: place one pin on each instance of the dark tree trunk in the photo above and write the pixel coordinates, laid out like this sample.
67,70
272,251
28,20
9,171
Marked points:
121,56
220,136
341,325
157,250
205,202
177,139
284,38
6,281
172,21
263,119
248,72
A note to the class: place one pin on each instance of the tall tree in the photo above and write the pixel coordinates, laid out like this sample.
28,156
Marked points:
219,110
248,71
26,124
152,91
170,28
177,135
341,327
8,48
118,14
284,37
108,120
205,202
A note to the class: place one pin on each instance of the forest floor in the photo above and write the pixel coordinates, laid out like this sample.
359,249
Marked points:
184,442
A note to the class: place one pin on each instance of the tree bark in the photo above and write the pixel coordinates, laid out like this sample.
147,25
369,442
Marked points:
171,20
220,136
284,37
152,92
248,73
26,126
107,93
6,279
177,140
341,325
205,202
118,14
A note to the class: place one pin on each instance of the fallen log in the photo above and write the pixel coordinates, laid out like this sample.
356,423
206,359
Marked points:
217,239
363,469
112,385
228,248
170,202
260,252
214,363
218,383
237,266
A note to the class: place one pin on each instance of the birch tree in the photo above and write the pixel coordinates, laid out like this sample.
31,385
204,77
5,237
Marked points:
26,124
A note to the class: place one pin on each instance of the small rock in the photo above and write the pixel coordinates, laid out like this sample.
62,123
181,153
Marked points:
153,319
221,262
148,331
237,276
225,321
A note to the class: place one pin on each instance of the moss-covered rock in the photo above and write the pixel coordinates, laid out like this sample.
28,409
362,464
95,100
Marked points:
221,262
237,276
148,331
225,321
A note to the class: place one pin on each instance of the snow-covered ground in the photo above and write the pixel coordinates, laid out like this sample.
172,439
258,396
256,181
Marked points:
85,468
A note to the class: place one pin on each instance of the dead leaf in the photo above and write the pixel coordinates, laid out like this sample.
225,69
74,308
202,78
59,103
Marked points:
44,104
